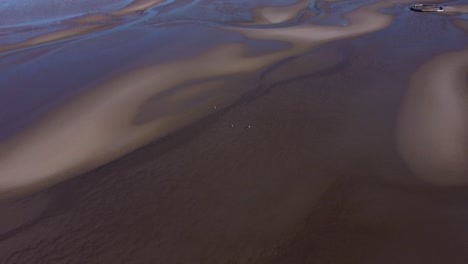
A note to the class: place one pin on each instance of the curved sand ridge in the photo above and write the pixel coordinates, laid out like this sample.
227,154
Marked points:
84,24
98,126
433,126
275,15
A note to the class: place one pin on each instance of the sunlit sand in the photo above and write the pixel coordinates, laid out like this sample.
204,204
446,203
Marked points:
434,121
235,131
97,127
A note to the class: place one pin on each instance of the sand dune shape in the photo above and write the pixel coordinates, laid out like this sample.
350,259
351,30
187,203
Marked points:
81,25
97,127
433,127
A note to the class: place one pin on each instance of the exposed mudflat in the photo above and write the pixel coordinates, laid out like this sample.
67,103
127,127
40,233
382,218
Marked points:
234,132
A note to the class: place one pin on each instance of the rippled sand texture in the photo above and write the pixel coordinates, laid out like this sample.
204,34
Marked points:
236,132
97,126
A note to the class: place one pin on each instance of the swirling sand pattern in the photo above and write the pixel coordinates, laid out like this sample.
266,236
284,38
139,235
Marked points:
83,25
96,127
316,174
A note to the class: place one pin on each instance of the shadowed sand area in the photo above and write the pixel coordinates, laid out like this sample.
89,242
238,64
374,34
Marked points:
236,132
91,126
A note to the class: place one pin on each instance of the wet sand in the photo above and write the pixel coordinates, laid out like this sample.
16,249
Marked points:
307,150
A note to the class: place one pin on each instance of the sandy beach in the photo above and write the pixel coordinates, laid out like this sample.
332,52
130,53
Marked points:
236,132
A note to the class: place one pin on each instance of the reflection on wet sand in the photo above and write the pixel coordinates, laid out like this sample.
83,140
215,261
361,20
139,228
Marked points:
97,126
434,121
316,179
80,25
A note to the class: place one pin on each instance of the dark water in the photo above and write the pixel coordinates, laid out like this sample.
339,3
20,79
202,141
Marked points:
233,132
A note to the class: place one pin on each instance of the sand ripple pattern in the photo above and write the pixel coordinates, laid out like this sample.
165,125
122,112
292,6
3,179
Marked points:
103,121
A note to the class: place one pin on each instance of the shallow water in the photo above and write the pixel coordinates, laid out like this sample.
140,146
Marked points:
349,105
108,62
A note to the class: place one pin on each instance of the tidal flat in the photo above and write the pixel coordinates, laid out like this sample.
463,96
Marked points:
209,131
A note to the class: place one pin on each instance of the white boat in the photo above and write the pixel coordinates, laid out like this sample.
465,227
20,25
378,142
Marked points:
427,8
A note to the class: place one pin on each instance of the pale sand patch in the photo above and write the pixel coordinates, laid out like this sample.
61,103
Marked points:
279,14
78,25
57,35
93,18
97,127
137,5
433,125
363,20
